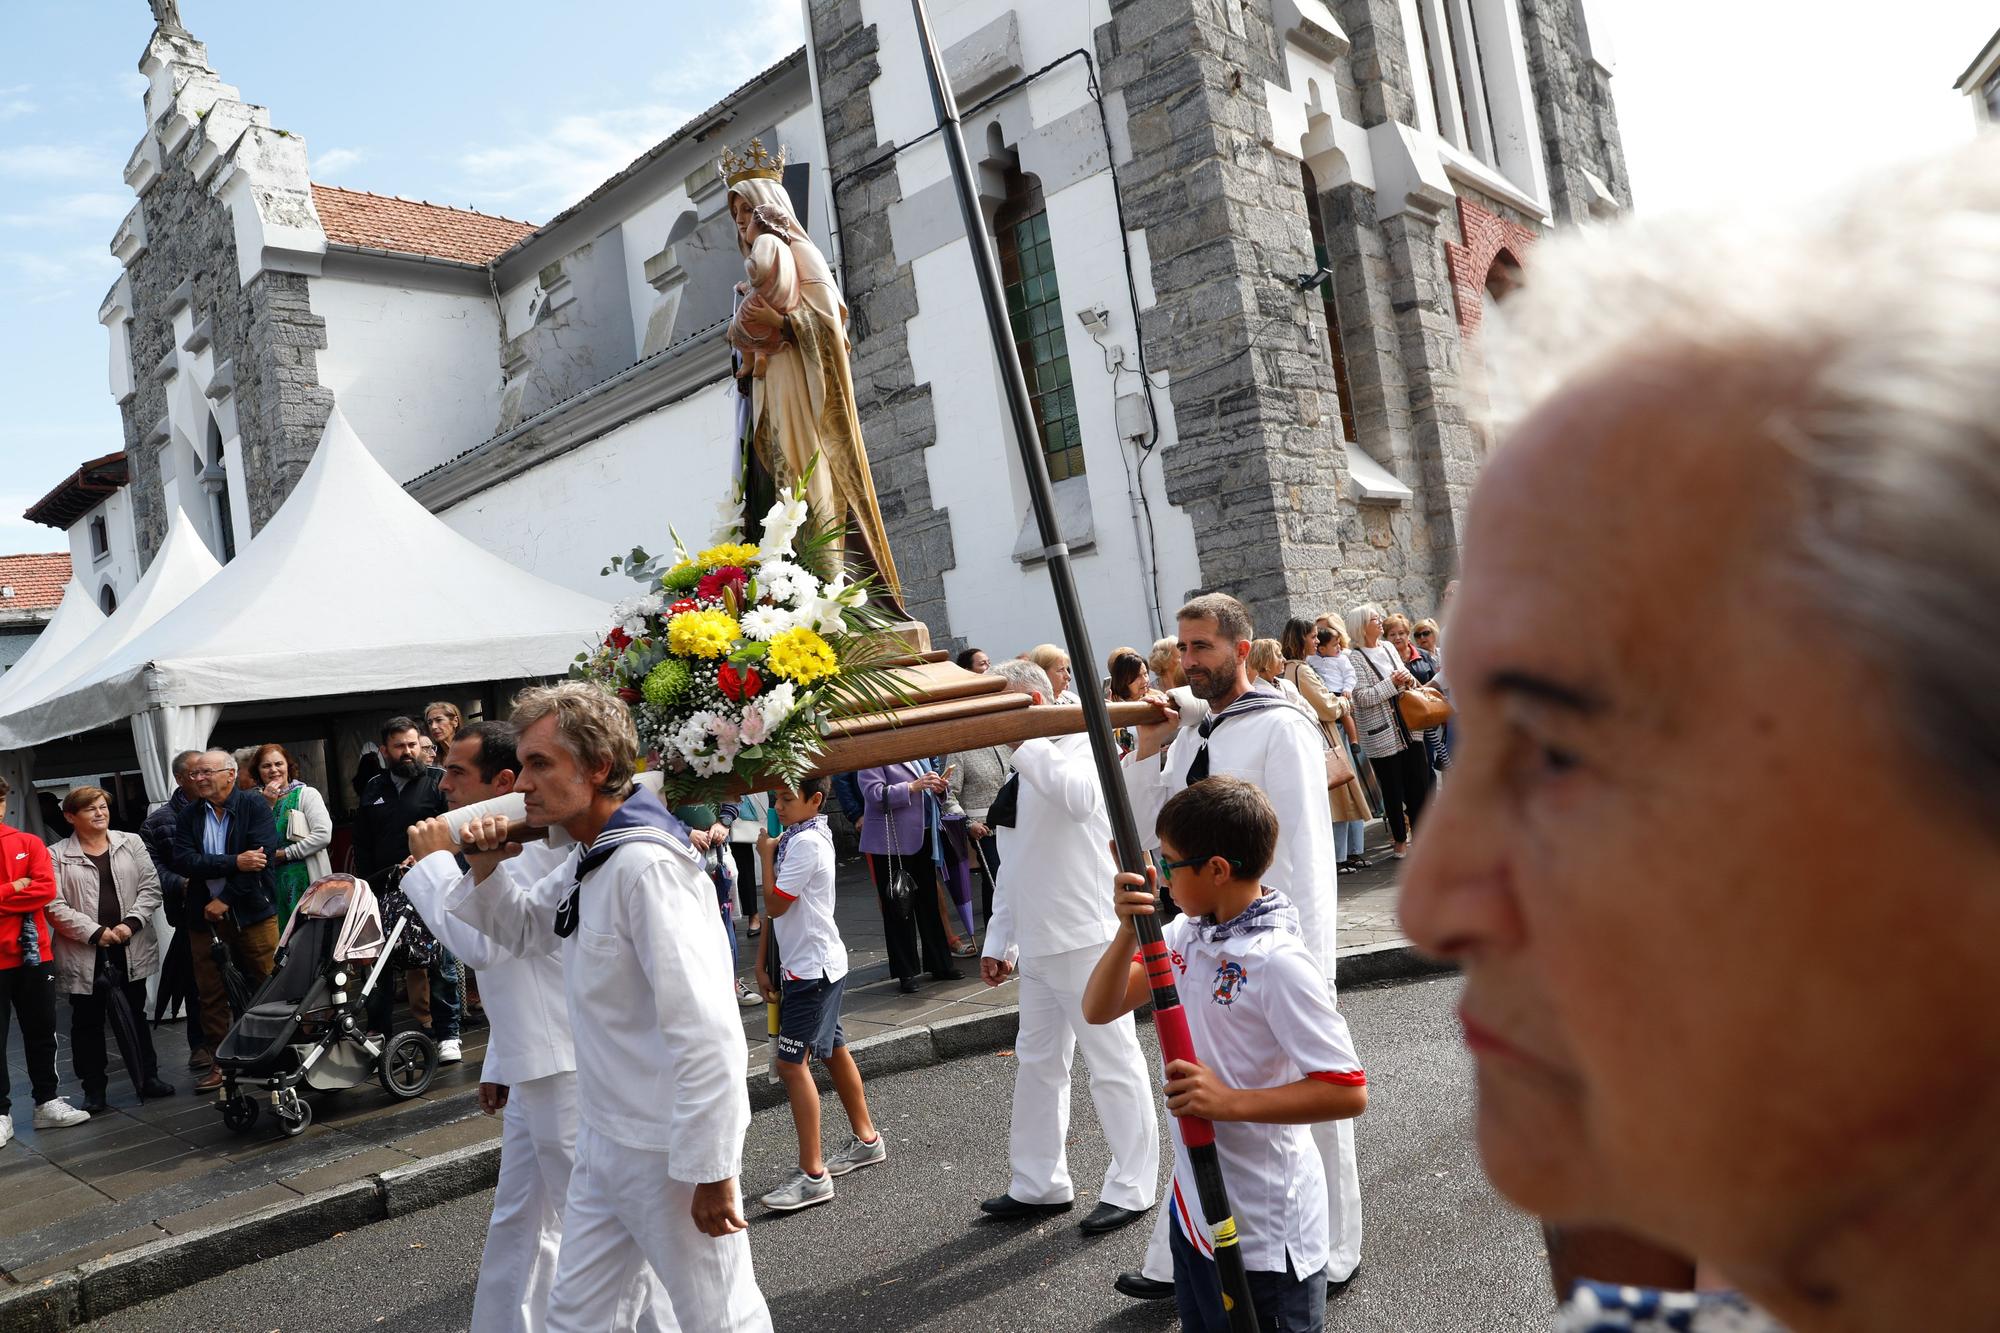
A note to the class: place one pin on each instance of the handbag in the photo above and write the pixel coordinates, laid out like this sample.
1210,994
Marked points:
297,829
1339,771
1422,707
898,890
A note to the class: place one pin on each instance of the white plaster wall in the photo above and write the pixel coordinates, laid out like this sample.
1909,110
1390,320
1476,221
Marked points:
119,567
563,519
417,373
646,233
995,602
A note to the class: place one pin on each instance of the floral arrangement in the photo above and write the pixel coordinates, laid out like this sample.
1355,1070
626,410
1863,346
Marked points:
737,656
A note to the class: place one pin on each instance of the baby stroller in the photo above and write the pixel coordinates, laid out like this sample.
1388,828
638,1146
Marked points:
309,1022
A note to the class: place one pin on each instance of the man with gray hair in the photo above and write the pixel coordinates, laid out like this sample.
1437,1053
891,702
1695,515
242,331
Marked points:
1052,914
660,1057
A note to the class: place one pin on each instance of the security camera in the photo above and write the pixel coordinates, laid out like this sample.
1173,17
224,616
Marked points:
1095,319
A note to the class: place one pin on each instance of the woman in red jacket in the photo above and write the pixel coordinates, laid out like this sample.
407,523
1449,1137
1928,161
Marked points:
28,973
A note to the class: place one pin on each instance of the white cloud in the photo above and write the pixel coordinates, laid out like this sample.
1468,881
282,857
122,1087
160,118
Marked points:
547,172
11,107
90,206
756,35
47,161
39,276
334,161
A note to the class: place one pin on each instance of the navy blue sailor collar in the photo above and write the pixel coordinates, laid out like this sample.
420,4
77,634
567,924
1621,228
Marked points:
642,817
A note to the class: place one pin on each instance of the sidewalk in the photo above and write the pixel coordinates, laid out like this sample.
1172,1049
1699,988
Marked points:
168,1168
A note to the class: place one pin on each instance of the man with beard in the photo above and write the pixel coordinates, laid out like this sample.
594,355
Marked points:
660,1056
1258,736
404,792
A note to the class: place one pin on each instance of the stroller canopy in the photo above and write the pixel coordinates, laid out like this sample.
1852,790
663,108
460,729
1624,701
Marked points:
350,899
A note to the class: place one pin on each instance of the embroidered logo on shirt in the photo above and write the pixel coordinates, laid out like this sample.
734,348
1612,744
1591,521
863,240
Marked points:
1229,978
1180,963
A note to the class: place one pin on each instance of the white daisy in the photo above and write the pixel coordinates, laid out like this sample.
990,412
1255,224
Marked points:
767,622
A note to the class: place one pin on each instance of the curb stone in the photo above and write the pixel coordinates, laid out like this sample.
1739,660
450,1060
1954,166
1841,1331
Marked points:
48,1306
102,1286
161,1266
434,1180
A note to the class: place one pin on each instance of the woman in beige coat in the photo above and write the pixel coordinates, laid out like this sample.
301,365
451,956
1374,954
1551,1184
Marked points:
1348,801
106,893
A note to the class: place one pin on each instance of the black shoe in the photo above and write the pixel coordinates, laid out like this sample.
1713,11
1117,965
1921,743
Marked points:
96,1105
948,974
158,1087
1142,1288
907,985
1106,1217
1010,1209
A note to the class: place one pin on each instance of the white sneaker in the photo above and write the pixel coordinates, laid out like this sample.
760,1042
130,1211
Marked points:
6,1129
55,1113
747,996
450,1051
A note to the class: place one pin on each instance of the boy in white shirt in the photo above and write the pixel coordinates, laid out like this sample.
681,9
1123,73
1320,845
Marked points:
806,984
1275,1055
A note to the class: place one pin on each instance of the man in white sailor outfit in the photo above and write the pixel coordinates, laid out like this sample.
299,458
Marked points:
1052,913
529,1074
660,1055
1257,736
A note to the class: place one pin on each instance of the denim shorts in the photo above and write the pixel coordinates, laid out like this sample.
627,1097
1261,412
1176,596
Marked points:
809,1018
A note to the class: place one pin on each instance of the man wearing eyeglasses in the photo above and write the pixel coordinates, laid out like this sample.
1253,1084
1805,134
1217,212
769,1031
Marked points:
1256,735
223,844
1052,915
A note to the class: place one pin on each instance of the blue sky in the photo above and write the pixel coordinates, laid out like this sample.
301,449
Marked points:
520,108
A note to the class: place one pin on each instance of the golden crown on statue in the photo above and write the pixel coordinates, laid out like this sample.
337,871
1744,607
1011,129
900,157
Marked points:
756,164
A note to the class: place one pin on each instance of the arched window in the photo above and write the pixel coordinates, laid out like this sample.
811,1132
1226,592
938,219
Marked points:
1034,305
107,598
1335,352
215,481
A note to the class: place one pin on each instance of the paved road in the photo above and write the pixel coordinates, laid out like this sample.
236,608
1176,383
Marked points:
900,1248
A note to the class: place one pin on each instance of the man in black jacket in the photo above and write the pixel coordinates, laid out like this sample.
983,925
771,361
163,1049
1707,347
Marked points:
404,793
157,831
223,844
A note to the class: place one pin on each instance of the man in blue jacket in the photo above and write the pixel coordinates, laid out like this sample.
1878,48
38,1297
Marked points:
223,844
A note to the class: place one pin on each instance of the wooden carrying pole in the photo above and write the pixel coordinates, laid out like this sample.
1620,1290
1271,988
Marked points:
1169,1021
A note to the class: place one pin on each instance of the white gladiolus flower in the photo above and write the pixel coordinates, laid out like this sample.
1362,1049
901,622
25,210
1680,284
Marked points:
782,525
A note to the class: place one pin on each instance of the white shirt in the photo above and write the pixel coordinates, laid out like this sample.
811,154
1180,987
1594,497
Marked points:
1281,752
1054,893
809,944
1259,1016
660,1055
528,1020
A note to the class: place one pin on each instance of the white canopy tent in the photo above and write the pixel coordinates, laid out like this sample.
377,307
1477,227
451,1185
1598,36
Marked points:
77,617
351,587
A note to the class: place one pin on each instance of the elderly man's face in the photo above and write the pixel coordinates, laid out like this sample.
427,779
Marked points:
1653,859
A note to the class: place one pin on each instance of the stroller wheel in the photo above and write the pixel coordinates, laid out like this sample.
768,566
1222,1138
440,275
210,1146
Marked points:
294,1113
238,1112
408,1062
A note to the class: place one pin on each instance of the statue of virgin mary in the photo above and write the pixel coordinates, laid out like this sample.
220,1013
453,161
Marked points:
789,332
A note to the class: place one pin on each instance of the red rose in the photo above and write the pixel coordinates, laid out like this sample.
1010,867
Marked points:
736,686
618,640
729,576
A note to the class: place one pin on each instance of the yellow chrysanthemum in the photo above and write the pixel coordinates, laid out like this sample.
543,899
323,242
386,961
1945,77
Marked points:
703,633
802,656
729,553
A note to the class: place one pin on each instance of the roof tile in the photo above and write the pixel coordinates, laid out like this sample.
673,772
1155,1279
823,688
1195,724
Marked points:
407,226
37,581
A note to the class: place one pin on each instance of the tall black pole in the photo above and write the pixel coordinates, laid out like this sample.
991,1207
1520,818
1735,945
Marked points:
1169,1021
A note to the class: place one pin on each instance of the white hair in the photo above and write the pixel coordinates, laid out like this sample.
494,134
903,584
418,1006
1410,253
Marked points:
1879,314
1358,618
1024,677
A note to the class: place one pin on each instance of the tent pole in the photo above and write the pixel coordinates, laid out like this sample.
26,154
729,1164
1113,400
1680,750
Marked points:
1169,1022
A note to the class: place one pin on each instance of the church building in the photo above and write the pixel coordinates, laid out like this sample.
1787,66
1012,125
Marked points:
1250,249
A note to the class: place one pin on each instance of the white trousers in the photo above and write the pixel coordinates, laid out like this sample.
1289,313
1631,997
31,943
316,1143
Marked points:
1343,1207
518,1267
625,1211
1052,1027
